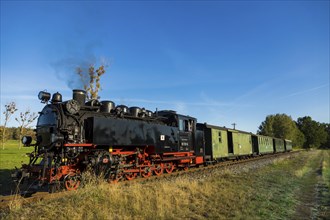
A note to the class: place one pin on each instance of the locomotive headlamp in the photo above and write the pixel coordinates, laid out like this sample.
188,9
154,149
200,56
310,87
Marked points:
26,140
44,96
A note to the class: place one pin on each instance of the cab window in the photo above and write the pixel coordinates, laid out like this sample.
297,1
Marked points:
47,117
186,125
181,125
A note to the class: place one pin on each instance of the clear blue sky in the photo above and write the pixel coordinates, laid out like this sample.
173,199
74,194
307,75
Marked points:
219,61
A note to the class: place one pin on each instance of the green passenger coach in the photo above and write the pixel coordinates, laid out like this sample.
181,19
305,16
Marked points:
239,143
278,145
216,141
288,145
262,144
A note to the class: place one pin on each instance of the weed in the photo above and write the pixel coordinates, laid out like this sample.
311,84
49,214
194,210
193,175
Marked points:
269,192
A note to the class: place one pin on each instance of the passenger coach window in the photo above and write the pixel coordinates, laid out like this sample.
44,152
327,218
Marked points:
220,139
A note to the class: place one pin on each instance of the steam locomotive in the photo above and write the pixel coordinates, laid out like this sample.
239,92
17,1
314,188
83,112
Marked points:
122,143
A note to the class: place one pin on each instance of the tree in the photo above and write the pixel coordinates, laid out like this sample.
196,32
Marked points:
314,132
299,139
326,127
91,81
24,121
10,109
281,126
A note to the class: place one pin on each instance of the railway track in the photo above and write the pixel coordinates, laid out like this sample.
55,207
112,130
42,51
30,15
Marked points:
23,198
213,167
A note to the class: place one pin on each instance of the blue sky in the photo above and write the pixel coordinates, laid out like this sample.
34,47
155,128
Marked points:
219,61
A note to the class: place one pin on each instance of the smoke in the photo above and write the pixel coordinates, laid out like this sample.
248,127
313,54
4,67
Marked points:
66,68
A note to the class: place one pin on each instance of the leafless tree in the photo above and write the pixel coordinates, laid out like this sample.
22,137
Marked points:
91,81
10,109
24,122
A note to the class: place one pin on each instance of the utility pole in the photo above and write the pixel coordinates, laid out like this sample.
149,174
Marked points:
233,124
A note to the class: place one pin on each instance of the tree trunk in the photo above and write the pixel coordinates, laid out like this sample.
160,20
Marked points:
20,137
3,136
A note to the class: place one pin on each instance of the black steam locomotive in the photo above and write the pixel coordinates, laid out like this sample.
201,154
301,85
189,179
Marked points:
117,141
123,143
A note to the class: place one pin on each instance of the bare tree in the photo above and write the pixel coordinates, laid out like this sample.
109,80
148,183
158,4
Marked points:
10,109
91,81
24,121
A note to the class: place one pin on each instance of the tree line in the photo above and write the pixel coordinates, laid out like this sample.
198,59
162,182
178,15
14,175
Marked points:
13,133
305,132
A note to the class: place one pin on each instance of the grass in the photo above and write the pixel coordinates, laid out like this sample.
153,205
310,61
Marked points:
324,187
271,192
326,168
11,157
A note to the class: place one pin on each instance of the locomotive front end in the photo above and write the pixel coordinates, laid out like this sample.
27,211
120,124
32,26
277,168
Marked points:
47,132
51,162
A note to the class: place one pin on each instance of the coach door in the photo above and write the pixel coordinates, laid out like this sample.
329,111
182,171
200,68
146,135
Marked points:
187,126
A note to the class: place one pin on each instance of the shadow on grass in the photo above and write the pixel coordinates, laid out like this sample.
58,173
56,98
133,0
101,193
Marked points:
26,188
7,185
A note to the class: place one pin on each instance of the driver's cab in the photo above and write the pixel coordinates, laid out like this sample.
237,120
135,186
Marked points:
186,126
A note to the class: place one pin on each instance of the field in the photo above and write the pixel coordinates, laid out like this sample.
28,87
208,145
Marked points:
10,157
294,188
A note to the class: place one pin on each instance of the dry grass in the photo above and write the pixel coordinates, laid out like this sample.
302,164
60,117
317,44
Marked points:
265,193
326,168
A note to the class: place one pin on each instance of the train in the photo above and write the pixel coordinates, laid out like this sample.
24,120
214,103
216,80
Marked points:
123,143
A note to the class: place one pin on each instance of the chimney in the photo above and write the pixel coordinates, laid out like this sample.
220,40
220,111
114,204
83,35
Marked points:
80,96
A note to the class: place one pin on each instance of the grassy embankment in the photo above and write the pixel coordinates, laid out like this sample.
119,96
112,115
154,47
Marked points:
277,191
